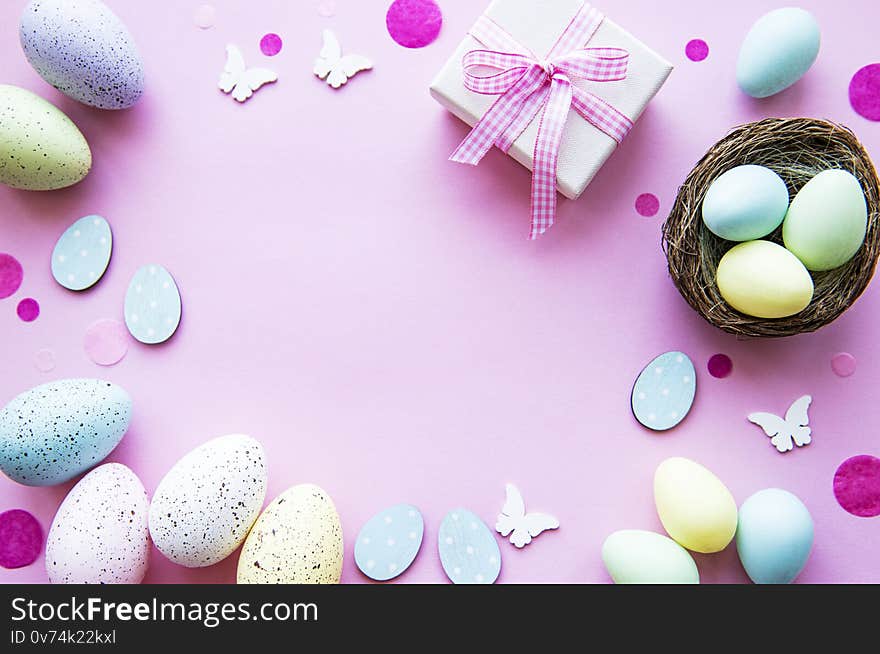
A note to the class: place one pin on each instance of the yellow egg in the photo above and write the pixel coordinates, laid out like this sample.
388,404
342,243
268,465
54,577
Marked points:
296,540
764,280
40,148
695,507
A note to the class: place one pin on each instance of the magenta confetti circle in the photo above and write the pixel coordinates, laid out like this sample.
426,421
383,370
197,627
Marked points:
28,309
857,486
720,366
44,360
647,204
843,364
106,342
864,92
270,44
414,23
21,538
697,50
11,274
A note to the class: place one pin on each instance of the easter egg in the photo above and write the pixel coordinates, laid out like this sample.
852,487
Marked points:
152,305
779,49
82,254
643,557
468,551
40,148
52,433
205,505
745,203
774,536
664,391
99,534
695,507
764,280
82,49
827,221
296,540
388,543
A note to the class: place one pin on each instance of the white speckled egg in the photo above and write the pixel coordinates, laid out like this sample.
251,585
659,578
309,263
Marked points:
52,433
296,540
40,147
204,507
99,534
82,49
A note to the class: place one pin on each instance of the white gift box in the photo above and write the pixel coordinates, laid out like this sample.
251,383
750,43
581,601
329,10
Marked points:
537,24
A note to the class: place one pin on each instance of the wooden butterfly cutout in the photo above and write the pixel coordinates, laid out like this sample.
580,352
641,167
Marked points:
793,430
335,69
239,79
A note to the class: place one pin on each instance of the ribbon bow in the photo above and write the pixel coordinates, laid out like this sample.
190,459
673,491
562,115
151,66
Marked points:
529,85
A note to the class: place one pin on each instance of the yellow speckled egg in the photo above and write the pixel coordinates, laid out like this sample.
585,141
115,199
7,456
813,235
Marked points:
296,540
40,148
695,507
764,280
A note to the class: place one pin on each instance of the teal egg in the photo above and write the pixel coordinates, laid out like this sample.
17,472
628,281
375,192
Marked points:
827,221
778,50
52,433
774,536
745,203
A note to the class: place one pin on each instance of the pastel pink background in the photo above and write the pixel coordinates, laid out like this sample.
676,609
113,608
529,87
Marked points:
375,315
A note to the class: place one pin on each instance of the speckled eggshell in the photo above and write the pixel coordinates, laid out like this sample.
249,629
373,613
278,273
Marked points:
204,507
40,147
84,50
296,540
99,534
52,433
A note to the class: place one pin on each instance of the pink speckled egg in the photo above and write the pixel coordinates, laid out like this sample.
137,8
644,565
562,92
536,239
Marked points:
100,535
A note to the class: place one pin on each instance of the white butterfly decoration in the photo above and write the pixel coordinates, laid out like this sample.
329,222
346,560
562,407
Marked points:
240,80
514,521
333,67
795,429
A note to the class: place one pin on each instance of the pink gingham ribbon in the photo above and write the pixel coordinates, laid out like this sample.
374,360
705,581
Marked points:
529,85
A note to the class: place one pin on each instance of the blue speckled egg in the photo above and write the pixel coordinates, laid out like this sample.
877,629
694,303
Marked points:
664,391
779,49
82,254
468,551
388,543
745,203
84,50
52,433
152,305
774,536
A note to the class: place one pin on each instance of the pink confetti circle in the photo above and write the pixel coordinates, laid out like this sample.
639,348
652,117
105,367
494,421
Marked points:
270,44
864,92
720,366
843,364
21,538
857,486
106,342
11,274
327,8
697,50
28,309
414,23
647,204
204,16
44,360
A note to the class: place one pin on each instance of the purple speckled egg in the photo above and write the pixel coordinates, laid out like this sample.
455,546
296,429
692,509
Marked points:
83,49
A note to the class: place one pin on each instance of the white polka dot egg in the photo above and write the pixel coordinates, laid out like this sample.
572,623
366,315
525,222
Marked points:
82,254
296,540
468,550
99,534
152,305
389,542
205,505
664,391
84,50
